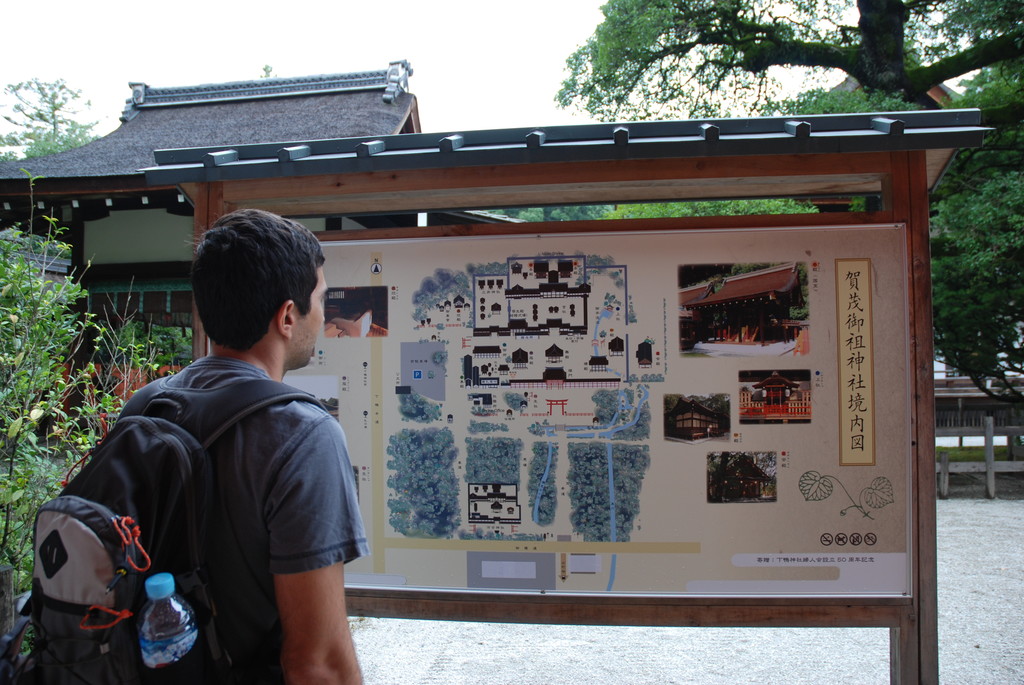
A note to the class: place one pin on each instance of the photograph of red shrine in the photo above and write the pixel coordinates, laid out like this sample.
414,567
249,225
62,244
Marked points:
736,310
775,396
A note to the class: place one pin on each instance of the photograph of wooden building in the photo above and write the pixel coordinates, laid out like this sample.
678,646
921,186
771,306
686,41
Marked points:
724,305
775,396
742,477
696,417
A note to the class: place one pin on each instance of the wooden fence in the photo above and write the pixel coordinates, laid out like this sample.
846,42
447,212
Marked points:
990,467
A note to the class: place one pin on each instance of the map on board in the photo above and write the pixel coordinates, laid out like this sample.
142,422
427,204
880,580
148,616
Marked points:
609,412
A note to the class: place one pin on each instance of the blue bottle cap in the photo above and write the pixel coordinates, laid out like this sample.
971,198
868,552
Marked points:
160,586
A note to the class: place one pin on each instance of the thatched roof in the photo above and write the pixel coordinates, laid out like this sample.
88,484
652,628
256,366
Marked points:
238,113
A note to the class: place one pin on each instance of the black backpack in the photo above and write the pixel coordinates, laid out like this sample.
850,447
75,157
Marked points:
138,507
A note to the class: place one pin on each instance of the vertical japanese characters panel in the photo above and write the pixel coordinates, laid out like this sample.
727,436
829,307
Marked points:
856,363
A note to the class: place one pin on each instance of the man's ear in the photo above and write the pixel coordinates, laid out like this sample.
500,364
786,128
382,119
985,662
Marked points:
285,319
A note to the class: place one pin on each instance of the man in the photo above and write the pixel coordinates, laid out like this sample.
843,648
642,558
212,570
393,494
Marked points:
286,517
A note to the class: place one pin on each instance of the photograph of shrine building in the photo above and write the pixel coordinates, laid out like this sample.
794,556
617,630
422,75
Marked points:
728,310
775,396
695,418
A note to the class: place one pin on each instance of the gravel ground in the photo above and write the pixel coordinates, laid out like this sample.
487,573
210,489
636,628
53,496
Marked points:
981,628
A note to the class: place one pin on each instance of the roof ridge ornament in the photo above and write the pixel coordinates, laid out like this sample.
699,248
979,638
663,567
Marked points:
397,80
131,105
393,81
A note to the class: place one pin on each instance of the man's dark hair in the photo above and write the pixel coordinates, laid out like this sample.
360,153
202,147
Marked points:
247,265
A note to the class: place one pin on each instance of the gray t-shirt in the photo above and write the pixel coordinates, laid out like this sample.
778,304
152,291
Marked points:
286,503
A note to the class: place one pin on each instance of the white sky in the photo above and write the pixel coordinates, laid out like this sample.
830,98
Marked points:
477,64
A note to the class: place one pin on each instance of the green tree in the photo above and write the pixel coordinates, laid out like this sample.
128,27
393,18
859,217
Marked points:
165,345
978,244
54,400
836,101
654,58
659,210
561,213
53,408
979,285
44,115
38,332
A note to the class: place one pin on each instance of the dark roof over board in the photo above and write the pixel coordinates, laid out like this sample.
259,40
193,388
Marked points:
942,131
769,282
685,405
372,103
695,293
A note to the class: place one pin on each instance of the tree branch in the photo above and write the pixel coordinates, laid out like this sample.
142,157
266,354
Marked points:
1009,114
758,57
1007,392
981,54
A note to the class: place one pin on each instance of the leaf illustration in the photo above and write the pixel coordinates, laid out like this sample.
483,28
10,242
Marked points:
815,487
879,493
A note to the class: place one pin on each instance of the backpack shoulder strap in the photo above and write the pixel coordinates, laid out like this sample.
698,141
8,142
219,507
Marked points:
231,404
208,413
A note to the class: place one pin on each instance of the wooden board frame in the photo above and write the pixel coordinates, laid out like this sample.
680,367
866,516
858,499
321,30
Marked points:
900,177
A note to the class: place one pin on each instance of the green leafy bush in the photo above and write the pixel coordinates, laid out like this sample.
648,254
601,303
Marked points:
54,400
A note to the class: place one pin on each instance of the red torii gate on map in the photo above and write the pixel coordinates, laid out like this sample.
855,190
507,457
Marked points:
556,403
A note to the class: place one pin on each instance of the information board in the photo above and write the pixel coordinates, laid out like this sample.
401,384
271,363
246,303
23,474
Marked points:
701,412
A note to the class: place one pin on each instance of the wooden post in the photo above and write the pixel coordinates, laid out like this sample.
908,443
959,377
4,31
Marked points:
944,474
917,639
209,207
990,458
895,654
6,598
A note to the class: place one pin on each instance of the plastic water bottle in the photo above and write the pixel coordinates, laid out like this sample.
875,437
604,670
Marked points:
167,626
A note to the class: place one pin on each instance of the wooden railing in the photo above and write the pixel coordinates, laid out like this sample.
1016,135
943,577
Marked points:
990,467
